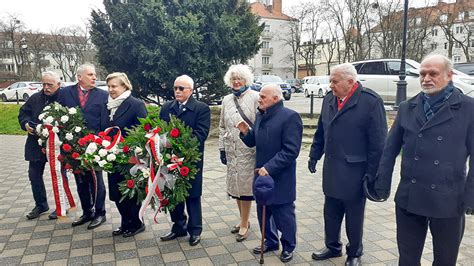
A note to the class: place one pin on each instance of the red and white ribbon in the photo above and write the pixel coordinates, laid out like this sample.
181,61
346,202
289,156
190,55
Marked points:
115,141
62,194
176,162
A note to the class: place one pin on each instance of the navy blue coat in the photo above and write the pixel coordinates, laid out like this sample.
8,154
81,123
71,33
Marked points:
277,135
434,182
352,140
29,112
69,97
196,115
126,116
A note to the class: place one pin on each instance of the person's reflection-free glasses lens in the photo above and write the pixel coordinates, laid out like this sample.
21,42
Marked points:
181,88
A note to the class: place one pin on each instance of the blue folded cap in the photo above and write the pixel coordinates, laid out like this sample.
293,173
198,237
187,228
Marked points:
263,189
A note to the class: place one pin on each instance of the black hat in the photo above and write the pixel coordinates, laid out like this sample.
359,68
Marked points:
370,192
263,189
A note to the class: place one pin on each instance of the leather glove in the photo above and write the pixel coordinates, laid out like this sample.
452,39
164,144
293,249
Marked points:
469,211
312,165
223,157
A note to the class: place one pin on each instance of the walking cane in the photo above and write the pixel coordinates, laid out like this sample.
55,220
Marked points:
263,233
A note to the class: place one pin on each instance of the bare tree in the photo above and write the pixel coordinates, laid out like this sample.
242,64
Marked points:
388,32
310,30
13,27
37,48
293,40
420,24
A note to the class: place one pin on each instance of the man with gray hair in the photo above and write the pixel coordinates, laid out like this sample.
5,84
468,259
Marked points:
351,134
28,119
435,129
277,135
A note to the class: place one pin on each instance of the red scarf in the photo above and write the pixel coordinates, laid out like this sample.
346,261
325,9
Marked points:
82,97
341,104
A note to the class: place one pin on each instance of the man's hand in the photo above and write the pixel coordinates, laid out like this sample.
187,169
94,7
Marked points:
262,171
312,165
30,130
469,211
243,127
223,157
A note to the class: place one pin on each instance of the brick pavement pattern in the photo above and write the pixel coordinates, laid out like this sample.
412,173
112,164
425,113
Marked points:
45,242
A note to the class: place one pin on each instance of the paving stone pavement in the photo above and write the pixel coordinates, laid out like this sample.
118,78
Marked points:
46,242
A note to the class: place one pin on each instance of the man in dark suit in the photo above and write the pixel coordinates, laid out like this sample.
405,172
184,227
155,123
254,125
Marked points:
277,135
90,100
435,129
196,115
28,119
351,133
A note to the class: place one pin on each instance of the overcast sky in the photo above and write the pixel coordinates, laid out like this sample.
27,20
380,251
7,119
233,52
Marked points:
45,15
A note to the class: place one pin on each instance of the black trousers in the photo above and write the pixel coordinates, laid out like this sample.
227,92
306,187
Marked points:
128,210
182,224
85,190
281,218
35,174
447,234
334,212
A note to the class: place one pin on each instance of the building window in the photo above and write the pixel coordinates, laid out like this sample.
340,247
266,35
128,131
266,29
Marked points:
459,29
445,45
434,46
417,21
443,18
265,60
434,32
457,45
456,58
472,43
461,15
265,44
267,28
266,73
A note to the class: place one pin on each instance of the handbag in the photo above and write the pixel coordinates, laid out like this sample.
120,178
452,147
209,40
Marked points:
246,119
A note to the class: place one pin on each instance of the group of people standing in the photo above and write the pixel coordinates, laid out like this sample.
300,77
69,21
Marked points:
259,137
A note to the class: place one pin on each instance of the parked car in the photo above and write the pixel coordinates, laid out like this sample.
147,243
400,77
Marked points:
263,80
208,98
24,89
318,85
100,84
381,75
295,85
466,68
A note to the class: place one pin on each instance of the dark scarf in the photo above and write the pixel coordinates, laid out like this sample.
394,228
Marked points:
432,104
240,91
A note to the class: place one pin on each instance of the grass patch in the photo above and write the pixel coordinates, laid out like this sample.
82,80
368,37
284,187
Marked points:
9,120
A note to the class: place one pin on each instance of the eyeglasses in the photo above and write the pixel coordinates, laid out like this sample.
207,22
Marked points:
181,88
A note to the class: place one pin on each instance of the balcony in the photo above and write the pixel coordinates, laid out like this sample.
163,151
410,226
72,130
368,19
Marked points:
267,66
267,35
267,51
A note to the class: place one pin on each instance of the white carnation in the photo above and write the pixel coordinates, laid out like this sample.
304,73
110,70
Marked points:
45,132
114,150
64,118
111,157
97,158
102,152
49,120
41,116
102,163
72,111
38,128
69,136
57,106
40,142
55,129
146,172
91,148
46,108
138,150
77,129
105,143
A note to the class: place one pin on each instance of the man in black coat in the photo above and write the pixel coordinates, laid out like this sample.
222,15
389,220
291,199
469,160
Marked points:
435,129
90,100
351,133
28,119
196,115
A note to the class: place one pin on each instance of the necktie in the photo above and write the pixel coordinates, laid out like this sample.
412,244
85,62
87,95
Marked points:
181,107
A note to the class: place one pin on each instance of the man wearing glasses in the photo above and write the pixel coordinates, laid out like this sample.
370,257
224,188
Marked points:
28,119
196,115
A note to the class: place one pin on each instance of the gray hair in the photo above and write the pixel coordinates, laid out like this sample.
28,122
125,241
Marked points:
448,64
275,90
186,79
240,71
347,70
82,68
51,74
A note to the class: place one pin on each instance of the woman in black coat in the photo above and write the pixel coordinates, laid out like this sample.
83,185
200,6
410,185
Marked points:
122,110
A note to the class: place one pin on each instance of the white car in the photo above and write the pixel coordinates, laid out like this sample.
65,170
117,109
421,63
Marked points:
23,89
381,75
317,85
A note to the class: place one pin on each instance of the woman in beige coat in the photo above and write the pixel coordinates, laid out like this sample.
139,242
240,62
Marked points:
239,158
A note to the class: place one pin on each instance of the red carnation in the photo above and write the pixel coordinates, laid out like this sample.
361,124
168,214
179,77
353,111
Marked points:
108,138
67,166
126,149
184,171
67,147
147,127
130,183
75,155
164,202
174,133
82,142
122,139
60,157
157,130
98,141
101,134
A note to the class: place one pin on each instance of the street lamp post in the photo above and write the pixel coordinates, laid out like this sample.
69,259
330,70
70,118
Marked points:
402,83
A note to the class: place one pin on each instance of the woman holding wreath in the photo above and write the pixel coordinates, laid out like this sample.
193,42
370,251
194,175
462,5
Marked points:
240,160
122,110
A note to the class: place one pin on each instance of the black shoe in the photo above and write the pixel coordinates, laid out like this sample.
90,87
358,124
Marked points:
286,256
53,215
171,235
118,232
325,254
266,249
97,221
353,261
132,233
36,212
83,219
194,240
